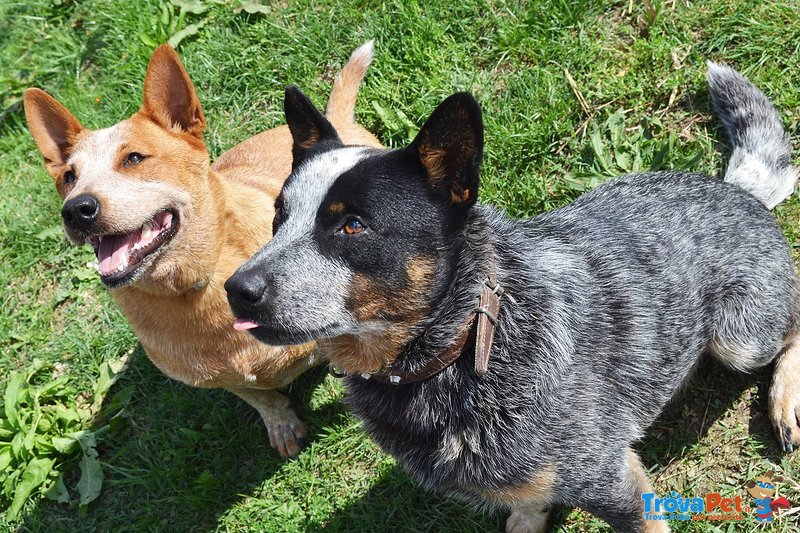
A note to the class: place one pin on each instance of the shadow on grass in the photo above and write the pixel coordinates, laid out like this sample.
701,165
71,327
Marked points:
181,456
708,396
396,503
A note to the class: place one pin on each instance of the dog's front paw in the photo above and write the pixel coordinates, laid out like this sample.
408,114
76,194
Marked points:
527,520
784,398
287,436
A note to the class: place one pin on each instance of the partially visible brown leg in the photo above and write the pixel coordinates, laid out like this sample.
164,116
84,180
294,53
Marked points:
286,431
529,502
784,394
641,483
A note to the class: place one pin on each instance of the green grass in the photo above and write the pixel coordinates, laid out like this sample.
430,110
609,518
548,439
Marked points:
190,459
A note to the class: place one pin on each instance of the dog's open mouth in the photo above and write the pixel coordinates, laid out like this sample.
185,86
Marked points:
120,256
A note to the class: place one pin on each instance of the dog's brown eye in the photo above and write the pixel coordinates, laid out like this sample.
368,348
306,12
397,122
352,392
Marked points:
353,226
134,158
69,177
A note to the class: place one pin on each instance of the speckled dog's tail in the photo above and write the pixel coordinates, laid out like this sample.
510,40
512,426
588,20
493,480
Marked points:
761,154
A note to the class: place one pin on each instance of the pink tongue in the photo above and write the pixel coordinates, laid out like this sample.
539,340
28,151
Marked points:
113,249
243,325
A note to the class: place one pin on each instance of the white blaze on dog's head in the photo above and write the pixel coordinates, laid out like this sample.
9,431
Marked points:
147,175
303,195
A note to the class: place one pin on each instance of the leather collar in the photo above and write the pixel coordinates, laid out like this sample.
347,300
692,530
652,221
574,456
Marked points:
487,314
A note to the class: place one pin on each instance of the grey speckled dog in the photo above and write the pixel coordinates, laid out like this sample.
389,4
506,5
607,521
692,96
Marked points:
608,303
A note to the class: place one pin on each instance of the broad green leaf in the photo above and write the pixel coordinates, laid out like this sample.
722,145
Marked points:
15,384
166,14
658,158
110,371
121,398
64,444
623,161
34,475
191,6
43,444
616,127
58,492
6,434
67,415
31,434
87,440
18,446
689,162
11,483
149,41
5,458
388,118
36,365
91,481
188,31
252,8
599,150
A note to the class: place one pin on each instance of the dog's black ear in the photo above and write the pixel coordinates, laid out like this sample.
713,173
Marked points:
450,148
308,126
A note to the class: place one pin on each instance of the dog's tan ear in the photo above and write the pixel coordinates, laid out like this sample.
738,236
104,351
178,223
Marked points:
52,126
169,96
308,126
450,148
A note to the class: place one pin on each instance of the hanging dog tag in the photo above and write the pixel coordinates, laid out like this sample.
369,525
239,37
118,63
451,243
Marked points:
488,310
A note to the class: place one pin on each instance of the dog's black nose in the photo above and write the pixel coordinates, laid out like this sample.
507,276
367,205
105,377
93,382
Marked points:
81,212
245,288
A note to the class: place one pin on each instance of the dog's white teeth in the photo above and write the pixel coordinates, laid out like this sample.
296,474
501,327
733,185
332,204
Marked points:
167,220
147,230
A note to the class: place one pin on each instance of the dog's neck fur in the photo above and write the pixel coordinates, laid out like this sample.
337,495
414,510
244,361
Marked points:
474,255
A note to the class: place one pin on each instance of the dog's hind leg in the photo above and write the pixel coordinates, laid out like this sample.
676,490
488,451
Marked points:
619,501
531,518
784,394
286,431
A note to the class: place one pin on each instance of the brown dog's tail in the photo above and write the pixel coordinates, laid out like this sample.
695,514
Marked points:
342,102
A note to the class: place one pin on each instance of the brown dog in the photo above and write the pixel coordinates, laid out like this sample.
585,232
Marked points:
169,228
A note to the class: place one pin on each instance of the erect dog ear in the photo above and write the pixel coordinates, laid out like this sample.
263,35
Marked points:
450,148
169,97
308,126
750,484
53,127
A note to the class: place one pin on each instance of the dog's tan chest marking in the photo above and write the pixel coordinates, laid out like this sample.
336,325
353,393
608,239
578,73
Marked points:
538,490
